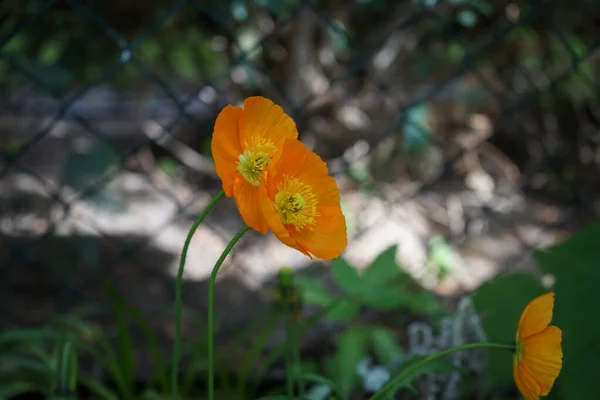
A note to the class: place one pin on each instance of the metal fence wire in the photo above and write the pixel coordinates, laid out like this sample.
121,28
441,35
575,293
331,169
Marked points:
109,104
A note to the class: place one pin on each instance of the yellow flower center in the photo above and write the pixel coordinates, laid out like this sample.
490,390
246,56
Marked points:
296,203
253,161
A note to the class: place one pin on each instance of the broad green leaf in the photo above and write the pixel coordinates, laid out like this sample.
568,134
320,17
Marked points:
385,346
344,309
383,269
385,298
314,291
500,303
420,302
352,347
346,276
575,264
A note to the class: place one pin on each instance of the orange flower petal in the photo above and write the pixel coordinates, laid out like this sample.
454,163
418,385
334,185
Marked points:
329,238
542,354
247,200
273,220
537,316
326,237
225,146
525,382
264,119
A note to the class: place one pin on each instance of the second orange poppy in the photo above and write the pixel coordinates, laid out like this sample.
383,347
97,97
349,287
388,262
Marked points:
301,203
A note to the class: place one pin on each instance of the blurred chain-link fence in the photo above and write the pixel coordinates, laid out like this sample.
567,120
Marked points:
473,107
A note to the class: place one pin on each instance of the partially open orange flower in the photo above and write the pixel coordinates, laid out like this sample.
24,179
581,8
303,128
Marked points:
244,142
301,203
538,358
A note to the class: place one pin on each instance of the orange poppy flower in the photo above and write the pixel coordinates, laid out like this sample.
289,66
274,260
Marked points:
301,203
244,142
538,357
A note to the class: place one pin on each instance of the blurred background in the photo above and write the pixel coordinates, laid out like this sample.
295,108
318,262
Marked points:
464,135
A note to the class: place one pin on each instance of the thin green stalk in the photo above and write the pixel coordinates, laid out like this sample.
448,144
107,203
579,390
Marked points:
178,301
211,311
297,358
289,357
391,386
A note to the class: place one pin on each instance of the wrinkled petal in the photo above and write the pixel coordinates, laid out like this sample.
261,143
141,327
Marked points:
225,146
537,316
327,237
273,220
262,118
297,158
247,200
542,354
525,382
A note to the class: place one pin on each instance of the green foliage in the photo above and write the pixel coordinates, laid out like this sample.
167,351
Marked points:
575,264
46,360
384,286
352,347
385,345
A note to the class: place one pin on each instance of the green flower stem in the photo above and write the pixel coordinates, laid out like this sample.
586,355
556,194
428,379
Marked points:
289,357
211,311
178,301
391,386
298,359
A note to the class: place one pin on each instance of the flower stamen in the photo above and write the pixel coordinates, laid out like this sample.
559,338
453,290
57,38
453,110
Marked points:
296,203
253,161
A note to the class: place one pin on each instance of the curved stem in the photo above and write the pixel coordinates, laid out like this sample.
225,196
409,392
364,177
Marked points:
289,357
211,311
391,386
178,301
298,359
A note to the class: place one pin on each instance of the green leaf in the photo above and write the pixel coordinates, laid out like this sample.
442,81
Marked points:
153,348
385,286
385,298
343,310
67,368
500,303
125,347
385,345
382,270
346,276
13,389
575,264
352,347
313,291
